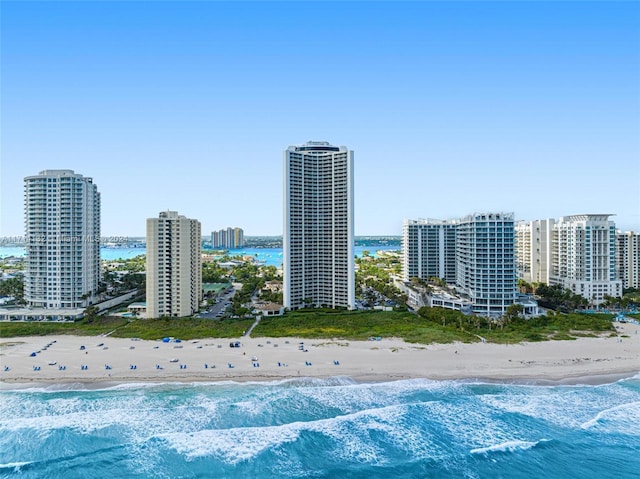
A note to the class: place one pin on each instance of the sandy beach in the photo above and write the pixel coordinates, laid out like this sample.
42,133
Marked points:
84,359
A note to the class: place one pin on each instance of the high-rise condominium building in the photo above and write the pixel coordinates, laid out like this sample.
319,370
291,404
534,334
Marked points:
628,258
174,275
577,252
583,258
229,238
318,242
476,253
62,227
534,240
429,249
485,261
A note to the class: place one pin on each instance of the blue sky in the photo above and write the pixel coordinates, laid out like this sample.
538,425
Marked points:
450,107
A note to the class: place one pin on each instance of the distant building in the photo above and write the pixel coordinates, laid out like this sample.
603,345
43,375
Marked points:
174,275
628,258
577,252
230,238
318,241
62,228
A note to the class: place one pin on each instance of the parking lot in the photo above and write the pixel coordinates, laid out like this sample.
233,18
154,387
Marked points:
218,310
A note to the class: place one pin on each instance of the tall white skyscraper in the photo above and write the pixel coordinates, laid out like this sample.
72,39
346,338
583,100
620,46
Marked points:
174,268
318,238
62,227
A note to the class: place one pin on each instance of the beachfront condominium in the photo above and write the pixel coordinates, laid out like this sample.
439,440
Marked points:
474,253
174,276
62,227
429,249
534,240
577,252
628,258
318,242
485,261
230,238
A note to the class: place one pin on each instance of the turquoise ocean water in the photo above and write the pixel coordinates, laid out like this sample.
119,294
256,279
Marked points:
332,428
270,256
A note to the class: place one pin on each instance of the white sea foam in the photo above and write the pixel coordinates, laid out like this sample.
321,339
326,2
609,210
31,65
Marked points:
509,446
14,466
622,418
230,445
552,404
469,422
350,434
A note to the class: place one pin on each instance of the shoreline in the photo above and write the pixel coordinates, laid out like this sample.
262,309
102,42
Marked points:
83,360
93,385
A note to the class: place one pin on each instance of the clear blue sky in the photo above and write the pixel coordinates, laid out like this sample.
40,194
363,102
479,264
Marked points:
450,107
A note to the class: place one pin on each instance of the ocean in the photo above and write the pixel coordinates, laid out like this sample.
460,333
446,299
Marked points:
331,428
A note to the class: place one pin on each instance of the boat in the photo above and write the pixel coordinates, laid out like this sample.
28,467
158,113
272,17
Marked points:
174,360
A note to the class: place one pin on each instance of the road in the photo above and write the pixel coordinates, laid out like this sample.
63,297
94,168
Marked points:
219,307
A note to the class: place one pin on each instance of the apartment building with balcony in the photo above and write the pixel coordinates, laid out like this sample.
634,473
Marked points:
174,269
577,252
318,237
534,240
628,258
429,249
62,242
474,254
485,261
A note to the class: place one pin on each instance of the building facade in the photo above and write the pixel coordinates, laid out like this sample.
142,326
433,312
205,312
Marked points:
534,240
62,228
577,252
475,254
230,238
429,249
318,238
174,269
485,261
584,256
628,258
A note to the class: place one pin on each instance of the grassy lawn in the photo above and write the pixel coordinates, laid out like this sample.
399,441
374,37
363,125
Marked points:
358,326
184,328
440,326
101,326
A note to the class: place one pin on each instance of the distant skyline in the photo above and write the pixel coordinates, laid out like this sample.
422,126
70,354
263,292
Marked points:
450,107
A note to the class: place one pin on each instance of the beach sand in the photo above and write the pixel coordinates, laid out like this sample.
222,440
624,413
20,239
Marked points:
585,360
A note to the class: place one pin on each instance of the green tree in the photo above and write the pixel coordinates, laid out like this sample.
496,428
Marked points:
13,287
513,311
91,313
